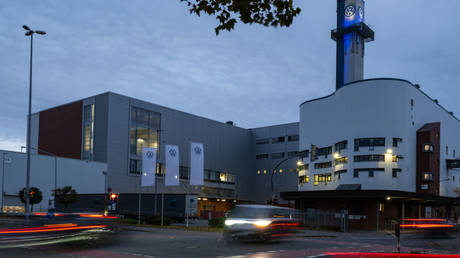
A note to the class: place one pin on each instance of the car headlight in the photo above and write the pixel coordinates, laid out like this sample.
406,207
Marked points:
230,222
262,223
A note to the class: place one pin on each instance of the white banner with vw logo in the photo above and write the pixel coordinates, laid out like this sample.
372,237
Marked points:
196,163
172,165
149,166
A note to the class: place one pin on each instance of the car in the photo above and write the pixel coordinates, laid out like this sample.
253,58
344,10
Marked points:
260,222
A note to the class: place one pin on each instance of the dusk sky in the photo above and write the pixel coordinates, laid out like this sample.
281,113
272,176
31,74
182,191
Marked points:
256,76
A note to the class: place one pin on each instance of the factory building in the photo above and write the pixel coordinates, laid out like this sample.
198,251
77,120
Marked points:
376,150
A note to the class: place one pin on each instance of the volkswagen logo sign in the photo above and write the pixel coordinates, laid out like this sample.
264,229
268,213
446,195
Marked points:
361,12
197,150
149,154
172,152
349,11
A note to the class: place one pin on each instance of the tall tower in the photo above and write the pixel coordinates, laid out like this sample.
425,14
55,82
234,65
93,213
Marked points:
351,34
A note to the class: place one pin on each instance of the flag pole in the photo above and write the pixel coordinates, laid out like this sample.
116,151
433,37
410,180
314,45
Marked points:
140,196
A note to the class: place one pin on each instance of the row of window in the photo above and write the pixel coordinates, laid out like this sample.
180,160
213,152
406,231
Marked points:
290,138
135,167
277,155
342,145
328,177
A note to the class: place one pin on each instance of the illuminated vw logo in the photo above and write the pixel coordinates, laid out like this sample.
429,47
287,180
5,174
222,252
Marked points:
197,150
361,12
149,154
172,152
349,11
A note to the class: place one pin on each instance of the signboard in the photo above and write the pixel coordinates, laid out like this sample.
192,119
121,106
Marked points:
191,204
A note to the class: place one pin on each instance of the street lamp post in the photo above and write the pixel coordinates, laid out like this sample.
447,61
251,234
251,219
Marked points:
272,188
3,179
30,33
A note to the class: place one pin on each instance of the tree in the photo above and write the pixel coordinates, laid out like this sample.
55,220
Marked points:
265,12
66,195
35,196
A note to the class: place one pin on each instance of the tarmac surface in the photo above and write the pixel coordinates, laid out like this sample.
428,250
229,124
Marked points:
135,241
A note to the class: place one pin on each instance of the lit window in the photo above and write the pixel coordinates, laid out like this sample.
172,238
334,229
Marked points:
427,176
223,177
265,171
329,177
258,172
143,130
281,171
316,178
88,132
428,148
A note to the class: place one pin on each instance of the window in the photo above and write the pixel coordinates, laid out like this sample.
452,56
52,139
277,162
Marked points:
303,167
341,145
184,172
356,173
329,177
395,172
262,141
323,165
219,177
363,158
369,142
292,154
144,129
315,180
262,156
88,132
447,150
427,176
396,142
265,171
342,160
453,154
278,155
278,139
324,151
135,166
304,179
258,172
372,170
293,138
428,147
304,154
281,171
339,173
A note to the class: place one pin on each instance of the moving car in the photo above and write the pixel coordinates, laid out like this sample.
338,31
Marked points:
263,222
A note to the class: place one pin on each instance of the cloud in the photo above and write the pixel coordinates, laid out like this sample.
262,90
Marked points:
255,76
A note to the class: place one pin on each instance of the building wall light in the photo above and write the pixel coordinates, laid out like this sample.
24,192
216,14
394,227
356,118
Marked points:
389,151
336,155
388,198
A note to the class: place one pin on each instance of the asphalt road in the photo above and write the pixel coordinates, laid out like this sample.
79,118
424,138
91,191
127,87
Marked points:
155,242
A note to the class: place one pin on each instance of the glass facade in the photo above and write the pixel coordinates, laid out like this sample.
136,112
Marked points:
88,132
143,132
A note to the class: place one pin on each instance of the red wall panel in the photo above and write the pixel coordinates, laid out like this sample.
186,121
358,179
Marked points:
60,130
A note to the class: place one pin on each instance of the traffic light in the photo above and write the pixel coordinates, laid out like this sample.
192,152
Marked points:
113,197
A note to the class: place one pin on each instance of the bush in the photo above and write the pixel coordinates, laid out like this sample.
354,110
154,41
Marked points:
217,222
156,220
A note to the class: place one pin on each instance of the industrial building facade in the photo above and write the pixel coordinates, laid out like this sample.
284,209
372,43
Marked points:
113,128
